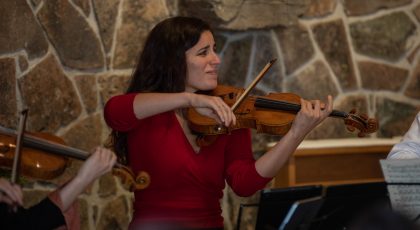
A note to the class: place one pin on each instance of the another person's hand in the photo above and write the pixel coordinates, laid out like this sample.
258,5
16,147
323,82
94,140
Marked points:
10,194
100,162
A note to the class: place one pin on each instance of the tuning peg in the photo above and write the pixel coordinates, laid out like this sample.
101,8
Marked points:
364,117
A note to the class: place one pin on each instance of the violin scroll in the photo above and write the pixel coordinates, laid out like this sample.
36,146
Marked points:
129,180
361,122
142,180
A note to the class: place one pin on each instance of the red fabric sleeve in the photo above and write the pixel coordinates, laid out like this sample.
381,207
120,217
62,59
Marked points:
71,216
242,175
119,112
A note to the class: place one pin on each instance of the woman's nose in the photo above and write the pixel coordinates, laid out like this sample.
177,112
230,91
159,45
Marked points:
215,59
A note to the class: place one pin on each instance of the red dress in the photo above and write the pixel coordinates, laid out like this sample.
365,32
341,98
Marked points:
186,187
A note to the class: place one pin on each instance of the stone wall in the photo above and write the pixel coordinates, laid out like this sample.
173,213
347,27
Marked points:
63,59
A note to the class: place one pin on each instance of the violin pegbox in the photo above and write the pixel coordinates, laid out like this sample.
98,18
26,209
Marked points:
361,122
129,180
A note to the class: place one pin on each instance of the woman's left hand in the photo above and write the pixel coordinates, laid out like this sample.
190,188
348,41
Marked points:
310,115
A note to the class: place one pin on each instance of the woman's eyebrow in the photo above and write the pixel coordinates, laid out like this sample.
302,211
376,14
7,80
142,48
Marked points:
204,48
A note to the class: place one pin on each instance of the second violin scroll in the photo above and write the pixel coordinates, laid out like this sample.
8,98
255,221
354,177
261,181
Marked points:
271,114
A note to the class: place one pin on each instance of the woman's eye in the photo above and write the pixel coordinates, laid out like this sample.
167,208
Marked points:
203,53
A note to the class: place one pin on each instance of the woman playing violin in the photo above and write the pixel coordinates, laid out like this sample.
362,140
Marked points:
150,130
59,208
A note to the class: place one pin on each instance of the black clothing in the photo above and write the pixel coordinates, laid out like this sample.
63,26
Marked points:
44,215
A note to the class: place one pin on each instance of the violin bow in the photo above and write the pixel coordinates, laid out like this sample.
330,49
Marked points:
18,149
253,84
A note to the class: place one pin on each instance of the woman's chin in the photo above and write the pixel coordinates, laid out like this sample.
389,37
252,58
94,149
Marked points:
210,87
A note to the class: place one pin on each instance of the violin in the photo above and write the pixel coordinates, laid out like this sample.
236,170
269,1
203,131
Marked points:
271,114
35,161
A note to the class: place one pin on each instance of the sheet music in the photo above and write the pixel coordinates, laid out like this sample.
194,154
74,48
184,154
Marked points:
401,171
404,198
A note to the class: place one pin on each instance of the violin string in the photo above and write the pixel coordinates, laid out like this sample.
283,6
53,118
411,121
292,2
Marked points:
38,143
274,104
284,105
49,146
359,119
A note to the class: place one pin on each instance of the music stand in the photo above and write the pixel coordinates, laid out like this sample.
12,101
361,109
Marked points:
301,213
343,203
274,204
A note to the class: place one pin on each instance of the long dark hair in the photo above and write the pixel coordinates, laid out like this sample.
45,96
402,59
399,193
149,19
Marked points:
162,65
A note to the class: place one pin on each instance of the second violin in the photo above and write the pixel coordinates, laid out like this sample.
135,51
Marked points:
38,163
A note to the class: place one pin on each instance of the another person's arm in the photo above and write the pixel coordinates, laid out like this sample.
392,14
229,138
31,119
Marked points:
101,162
58,209
409,147
44,215
65,198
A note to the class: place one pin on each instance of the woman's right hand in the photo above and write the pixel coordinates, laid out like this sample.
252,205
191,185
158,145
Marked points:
10,194
213,107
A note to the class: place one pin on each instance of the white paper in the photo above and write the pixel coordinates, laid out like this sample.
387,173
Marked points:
404,198
401,171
